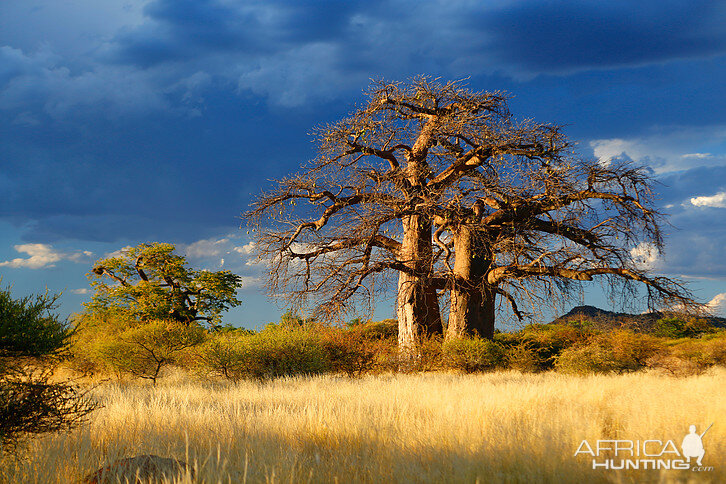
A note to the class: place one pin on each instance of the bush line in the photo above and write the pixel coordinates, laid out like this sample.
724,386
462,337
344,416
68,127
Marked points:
303,347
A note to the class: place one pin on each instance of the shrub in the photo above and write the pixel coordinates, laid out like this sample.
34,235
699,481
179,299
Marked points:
716,347
677,327
28,326
473,355
690,356
360,346
110,341
537,346
278,350
615,351
527,358
92,331
675,365
353,351
31,404
386,329
32,340
144,349
225,355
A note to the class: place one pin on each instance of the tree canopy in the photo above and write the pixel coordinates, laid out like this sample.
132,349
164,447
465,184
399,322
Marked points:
438,186
150,281
31,402
28,326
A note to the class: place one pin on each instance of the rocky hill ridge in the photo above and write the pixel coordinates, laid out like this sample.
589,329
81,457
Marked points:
640,322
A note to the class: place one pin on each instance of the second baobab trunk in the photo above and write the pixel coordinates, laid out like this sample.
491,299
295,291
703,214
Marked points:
472,311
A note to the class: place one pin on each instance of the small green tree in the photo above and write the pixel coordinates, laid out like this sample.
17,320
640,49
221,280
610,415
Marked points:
144,349
32,340
150,282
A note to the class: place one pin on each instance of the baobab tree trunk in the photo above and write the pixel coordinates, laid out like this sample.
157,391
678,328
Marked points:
472,311
417,304
473,304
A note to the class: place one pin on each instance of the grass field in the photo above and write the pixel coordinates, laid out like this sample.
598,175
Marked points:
436,427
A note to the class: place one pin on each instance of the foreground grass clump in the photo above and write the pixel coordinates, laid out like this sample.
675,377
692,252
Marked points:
431,427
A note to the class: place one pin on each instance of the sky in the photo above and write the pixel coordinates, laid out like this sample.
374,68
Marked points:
129,121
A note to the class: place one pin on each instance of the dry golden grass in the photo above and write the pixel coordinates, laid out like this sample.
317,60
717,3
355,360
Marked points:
437,427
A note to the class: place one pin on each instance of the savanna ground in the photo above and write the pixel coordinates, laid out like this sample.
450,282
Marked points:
504,426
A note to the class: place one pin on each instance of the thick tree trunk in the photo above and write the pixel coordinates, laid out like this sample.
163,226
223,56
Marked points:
472,312
473,305
417,305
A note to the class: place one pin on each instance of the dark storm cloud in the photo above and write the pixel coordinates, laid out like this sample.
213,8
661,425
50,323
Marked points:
174,119
178,30
160,177
696,249
181,30
297,52
294,53
559,36
129,121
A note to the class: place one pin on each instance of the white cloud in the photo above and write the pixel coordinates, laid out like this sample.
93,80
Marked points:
666,149
81,291
116,253
42,256
245,249
645,256
606,150
207,248
717,305
718,200
82,256
229,252
250,282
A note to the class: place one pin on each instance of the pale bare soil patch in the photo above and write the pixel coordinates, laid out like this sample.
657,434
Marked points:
436,427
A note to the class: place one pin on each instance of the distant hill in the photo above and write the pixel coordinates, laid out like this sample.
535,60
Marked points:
603,319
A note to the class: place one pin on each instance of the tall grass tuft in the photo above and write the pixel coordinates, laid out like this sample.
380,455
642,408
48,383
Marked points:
501,426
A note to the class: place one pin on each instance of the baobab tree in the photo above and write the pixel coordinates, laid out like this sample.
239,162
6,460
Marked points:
421,173
362,210
533,229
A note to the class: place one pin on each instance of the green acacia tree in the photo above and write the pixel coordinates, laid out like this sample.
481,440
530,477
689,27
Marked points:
150,282
33,339
143,350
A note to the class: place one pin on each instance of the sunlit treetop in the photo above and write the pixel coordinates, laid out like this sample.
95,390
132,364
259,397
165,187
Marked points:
150,281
